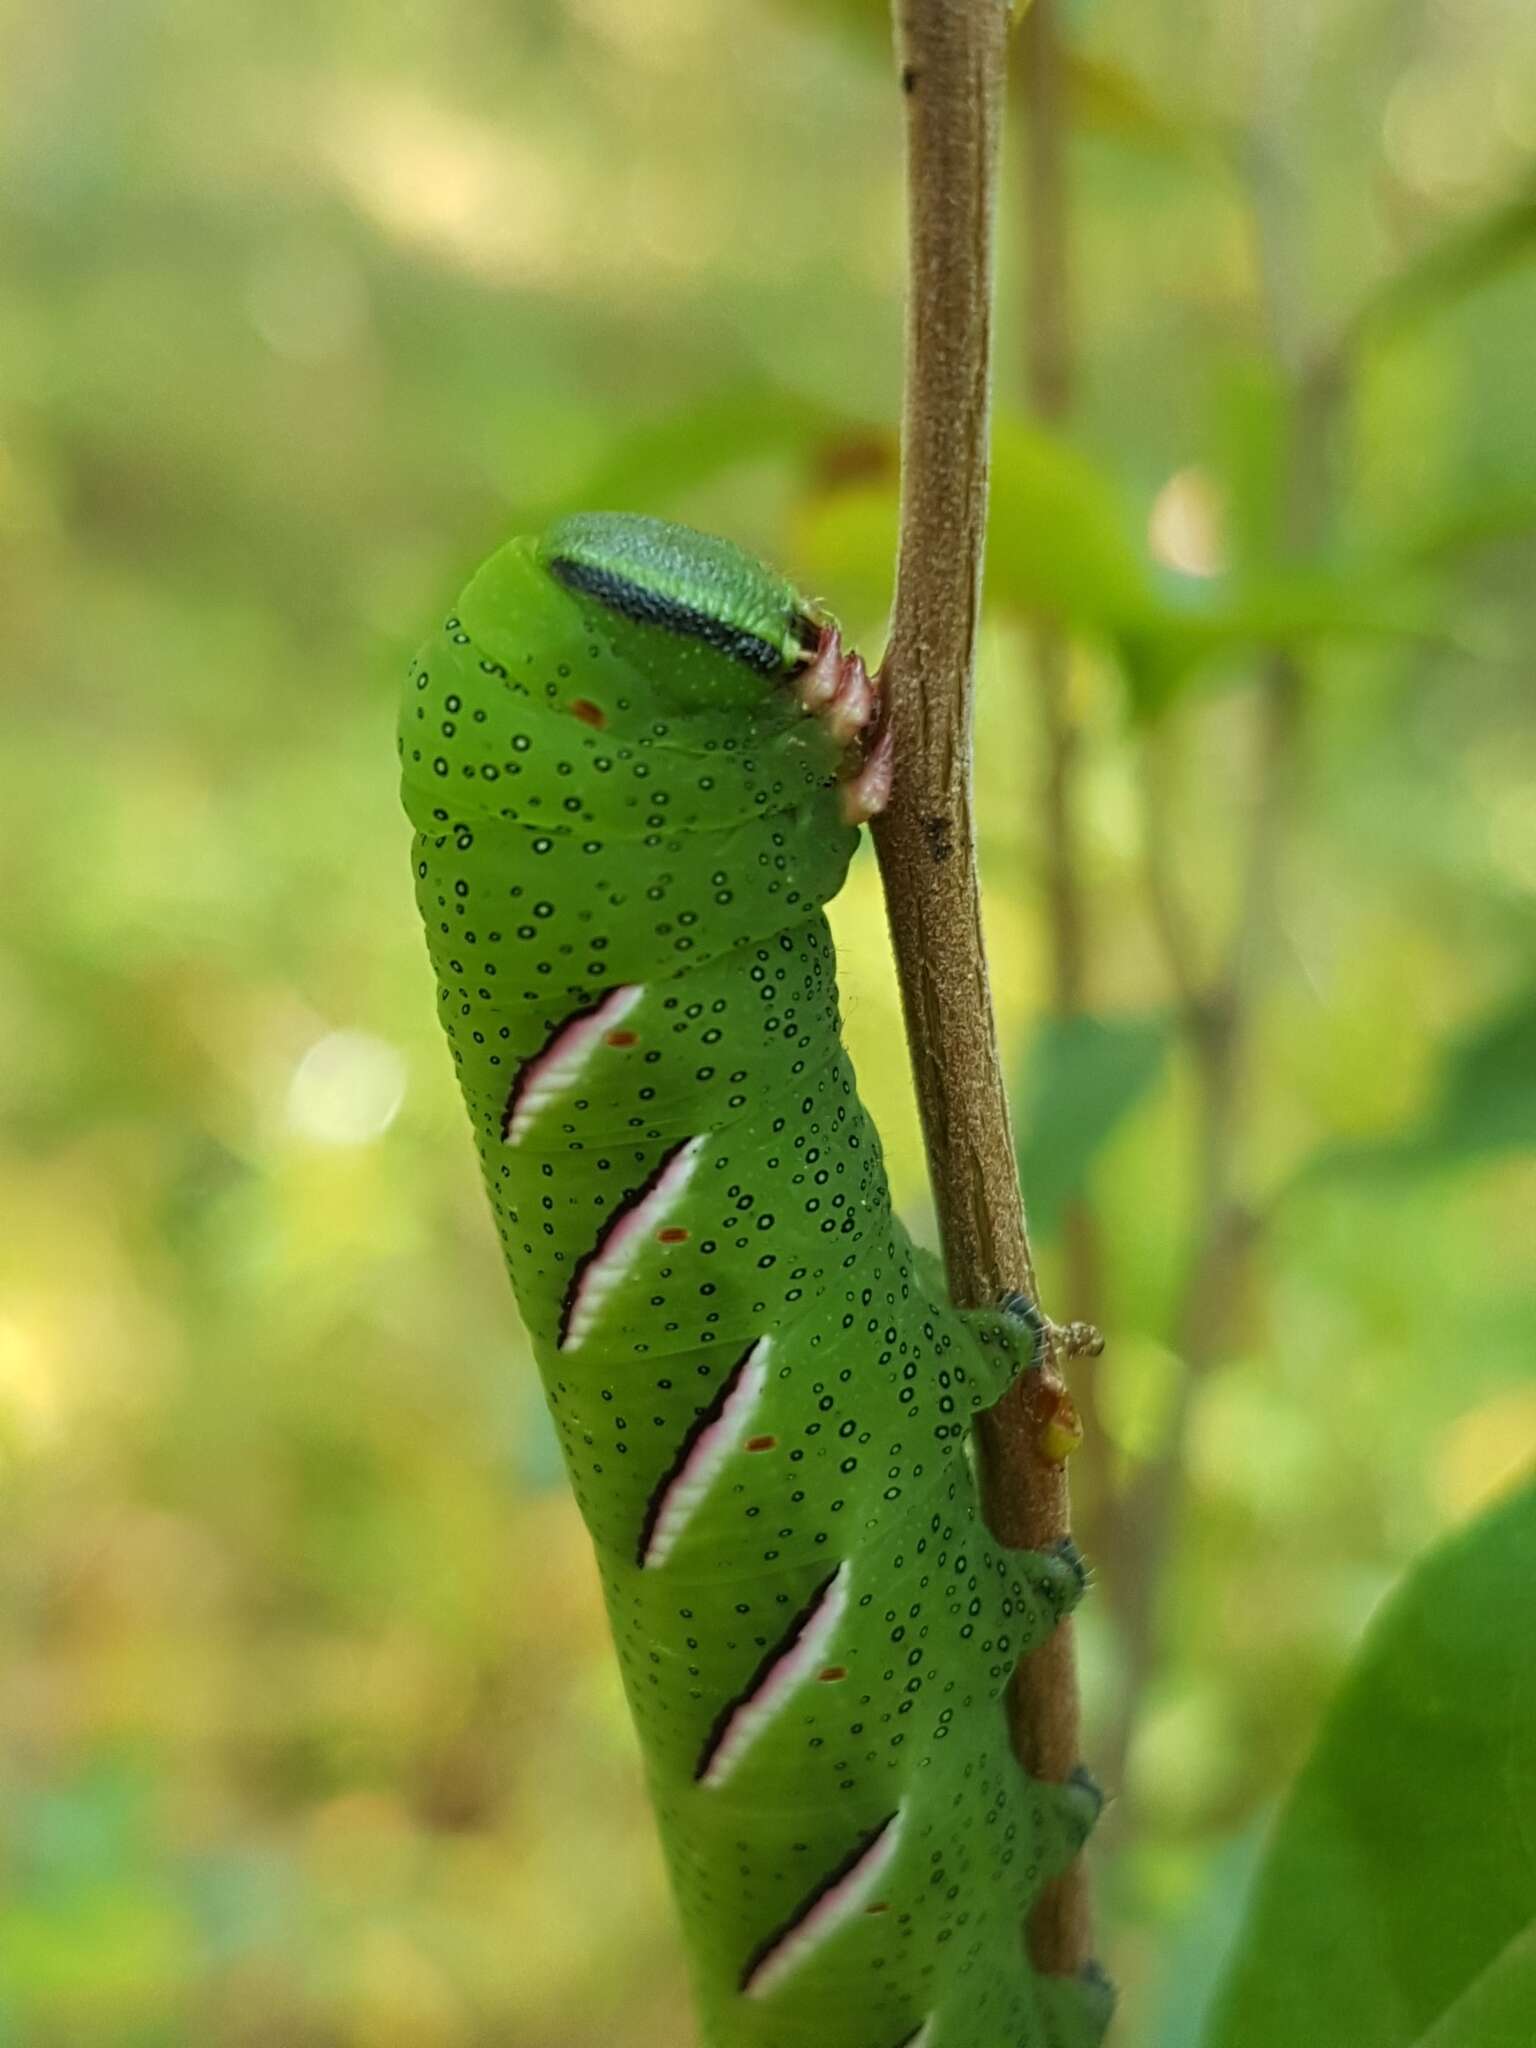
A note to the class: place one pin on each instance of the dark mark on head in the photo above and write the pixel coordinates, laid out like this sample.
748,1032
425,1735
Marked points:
655,608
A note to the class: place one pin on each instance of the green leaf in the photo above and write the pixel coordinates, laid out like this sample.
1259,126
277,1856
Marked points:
710,435
863,24
1500,512
1488,1098
1498,2010
1294,607
1106,99
1083,1076
1061,545
845,549
1397,1904
1253,405
1484,1105
1059,542
1467,257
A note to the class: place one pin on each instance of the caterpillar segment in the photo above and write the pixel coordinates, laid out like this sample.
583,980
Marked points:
635,760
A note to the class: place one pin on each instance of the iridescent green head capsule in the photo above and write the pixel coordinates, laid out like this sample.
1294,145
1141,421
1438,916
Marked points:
667,579
670,585
653,625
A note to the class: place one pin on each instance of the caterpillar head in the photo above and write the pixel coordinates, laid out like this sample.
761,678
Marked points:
718,626
668,583
692,629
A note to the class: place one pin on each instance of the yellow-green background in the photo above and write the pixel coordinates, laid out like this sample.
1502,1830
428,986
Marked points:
309,1735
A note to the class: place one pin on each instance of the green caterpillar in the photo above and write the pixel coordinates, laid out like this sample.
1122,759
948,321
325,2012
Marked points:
635,761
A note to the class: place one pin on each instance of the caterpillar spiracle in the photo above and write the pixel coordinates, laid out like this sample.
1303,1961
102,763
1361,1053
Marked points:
635,760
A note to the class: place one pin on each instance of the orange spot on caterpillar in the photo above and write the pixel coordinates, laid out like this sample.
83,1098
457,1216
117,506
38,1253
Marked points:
761,1443
674,1235
622,1037
588,712
879,1906
832,1674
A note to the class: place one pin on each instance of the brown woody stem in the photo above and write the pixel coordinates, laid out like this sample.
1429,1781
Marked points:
952,55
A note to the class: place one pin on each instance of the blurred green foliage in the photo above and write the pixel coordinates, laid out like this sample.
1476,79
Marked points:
309,1734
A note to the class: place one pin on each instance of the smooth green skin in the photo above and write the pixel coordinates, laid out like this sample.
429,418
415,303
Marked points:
687,845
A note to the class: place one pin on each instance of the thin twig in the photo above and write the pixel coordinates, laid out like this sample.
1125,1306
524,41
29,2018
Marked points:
952,55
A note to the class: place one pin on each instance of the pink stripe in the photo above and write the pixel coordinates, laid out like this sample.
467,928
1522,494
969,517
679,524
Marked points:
556,1070
833,1908
773,1685
619,1244
685,1490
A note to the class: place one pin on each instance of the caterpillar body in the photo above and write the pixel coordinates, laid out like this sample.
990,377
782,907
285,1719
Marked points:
635,759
